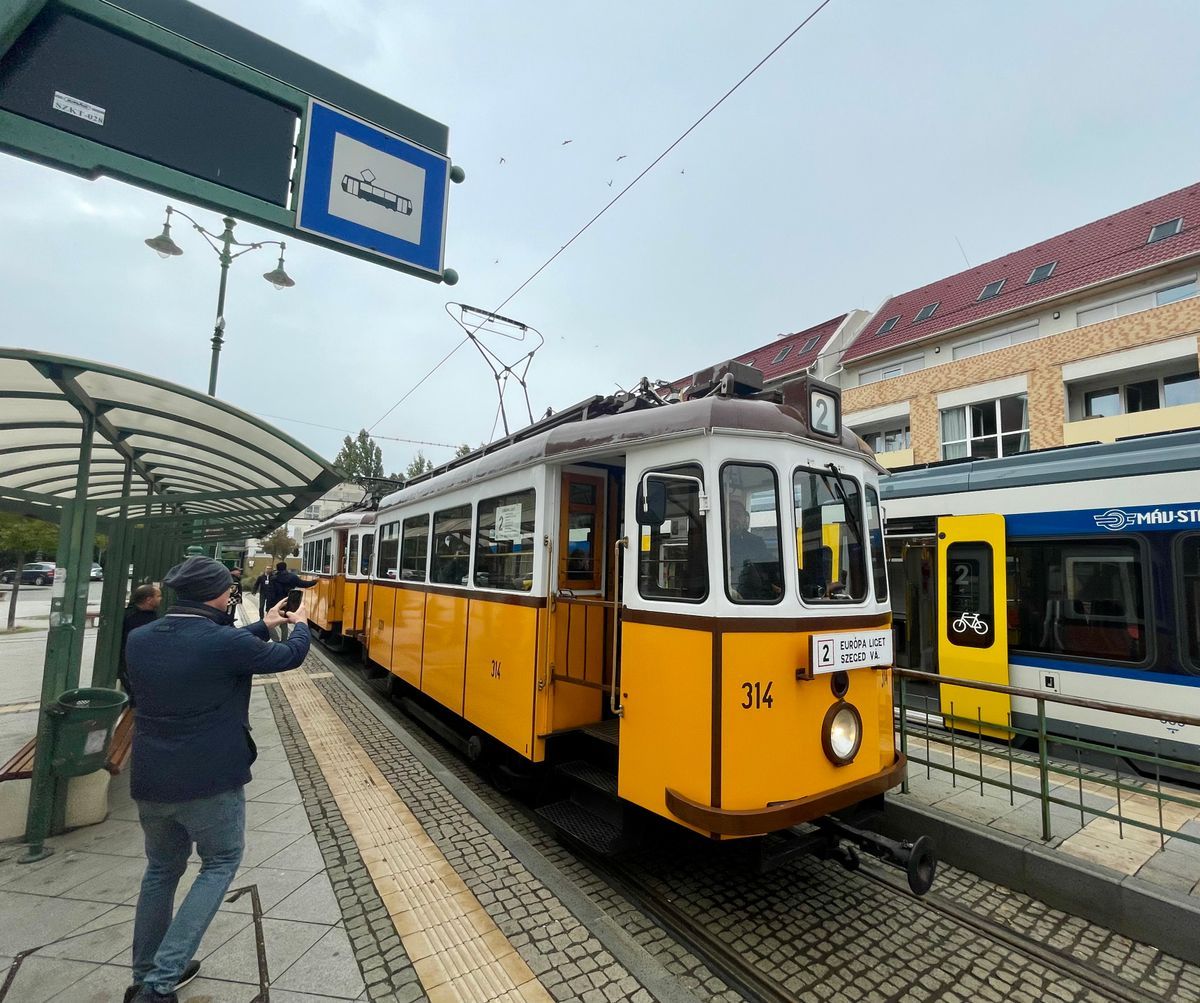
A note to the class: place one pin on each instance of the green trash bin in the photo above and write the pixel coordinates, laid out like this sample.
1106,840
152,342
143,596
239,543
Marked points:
84,720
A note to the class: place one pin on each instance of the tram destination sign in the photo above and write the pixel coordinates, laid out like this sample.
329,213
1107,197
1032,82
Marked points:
851,649
167,96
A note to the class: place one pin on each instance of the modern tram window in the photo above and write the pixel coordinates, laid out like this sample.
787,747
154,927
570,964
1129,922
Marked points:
969,595
451,545
673,555
352,556
1189,611
414,549
829,536
504,542
1080,598
389,551
750,521
875,532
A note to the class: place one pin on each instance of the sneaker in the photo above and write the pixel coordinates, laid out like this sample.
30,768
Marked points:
148,995
132,991
190,971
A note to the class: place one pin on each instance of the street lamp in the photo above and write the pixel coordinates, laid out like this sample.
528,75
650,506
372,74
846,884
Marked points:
223,245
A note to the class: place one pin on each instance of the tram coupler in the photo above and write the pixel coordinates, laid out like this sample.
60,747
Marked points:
918,859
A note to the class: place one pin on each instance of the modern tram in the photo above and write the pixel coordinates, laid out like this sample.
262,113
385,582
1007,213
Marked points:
622,594
1072,571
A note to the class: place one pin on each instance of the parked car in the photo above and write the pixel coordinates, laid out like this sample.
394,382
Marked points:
97,574
38,573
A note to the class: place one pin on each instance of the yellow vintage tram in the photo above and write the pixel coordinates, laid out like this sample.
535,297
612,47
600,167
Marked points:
625,592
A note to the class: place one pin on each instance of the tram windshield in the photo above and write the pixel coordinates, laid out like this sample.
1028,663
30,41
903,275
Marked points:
829,536
673,556
750,516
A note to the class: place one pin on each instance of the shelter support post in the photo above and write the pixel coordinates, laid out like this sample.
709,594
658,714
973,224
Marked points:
64,649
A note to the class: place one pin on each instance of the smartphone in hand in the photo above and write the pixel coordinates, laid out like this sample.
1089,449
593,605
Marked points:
295,597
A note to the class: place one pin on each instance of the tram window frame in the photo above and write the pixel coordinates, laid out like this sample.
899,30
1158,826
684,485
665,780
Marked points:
367,555
389,543
407,574
1188,633
979,552
826,598
876,548
352,556
1040,546
650,572
506,570
762,573
327,557
447,559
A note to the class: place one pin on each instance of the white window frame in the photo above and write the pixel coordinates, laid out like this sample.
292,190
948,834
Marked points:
931,307
983,293
999,435
1120,381
1177,221
1153,292
1051,264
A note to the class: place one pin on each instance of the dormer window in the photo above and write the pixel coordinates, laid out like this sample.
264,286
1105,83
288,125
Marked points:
1040,274
1164,230
887,325
810,344
926,312
991,290
783,354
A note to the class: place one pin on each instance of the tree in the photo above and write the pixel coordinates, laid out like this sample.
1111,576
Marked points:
360,457
279,544
22,536
418,466
461,450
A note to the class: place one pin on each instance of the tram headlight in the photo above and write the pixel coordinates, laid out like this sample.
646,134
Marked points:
841,733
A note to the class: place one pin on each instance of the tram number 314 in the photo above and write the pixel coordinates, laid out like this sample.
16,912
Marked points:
757,696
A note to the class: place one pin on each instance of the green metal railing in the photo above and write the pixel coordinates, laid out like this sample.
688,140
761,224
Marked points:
1132,787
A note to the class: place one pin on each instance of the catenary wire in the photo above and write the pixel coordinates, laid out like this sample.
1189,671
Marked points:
334,428
616,198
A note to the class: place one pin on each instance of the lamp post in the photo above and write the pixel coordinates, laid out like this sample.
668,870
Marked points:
223,244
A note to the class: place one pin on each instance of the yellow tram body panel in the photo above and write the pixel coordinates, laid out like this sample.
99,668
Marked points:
323,602
502,642
354,605
771,723
409,639
667,727
382,624
444,663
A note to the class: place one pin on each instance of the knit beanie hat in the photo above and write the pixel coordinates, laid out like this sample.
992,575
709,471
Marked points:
199,578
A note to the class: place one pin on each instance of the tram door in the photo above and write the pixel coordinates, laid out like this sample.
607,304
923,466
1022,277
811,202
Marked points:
581,607
972,620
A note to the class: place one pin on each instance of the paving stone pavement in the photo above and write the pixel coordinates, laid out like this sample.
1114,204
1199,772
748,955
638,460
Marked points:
815,927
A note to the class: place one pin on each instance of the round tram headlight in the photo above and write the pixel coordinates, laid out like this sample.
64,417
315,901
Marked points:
841,733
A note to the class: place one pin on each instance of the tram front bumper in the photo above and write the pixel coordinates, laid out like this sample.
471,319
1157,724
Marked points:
784,814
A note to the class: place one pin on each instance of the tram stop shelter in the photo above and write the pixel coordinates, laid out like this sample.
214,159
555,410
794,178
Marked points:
156,466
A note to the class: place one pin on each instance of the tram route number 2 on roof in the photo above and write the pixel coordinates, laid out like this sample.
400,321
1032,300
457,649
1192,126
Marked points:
856,649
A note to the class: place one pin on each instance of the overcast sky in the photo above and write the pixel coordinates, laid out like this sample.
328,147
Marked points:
841,172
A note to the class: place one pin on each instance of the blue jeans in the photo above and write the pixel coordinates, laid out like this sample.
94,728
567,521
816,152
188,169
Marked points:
163,946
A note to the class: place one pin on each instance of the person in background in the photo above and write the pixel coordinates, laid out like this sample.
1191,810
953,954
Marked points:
235,594
142,609
282,582
262,586
192,753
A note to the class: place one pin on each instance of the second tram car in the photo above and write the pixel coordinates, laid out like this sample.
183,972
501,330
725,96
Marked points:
1071,571
681,606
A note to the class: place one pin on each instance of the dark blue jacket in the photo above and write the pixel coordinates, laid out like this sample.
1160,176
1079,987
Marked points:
192,672
281,583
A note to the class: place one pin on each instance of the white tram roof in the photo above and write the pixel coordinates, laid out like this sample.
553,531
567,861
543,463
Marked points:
1135,456
569,434
342,520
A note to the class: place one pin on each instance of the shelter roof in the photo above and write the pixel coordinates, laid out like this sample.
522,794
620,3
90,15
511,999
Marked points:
1096,252
198,455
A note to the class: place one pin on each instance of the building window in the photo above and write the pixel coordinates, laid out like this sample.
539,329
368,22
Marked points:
887,325
891,369
1140,301
783,354
1142,395
1041,273
811,343
1180,292
993,342
1102,403
1164,230
1181,389
925,312
986,429
888,440
991,290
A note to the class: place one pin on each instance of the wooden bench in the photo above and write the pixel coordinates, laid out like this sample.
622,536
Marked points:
20,766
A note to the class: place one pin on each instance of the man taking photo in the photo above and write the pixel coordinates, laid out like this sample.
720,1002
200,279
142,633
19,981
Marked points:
192,751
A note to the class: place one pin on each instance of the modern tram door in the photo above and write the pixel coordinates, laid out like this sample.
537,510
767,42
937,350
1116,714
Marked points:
582,599
972,620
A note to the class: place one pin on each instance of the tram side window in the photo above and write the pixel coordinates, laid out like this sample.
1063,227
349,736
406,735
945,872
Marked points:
829,537
750,518
368,548
389,551
306,558
326,559
504,542
673,556
1080,598
1190,610
414,549
875,532
451,545
352,555
969,604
